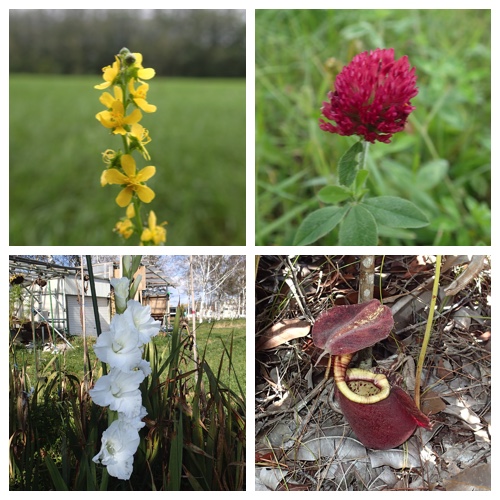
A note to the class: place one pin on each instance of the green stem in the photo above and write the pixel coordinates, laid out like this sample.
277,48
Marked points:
364,155
137,208
427,334
125,145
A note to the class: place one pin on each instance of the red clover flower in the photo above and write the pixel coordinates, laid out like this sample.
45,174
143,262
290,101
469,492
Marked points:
372,97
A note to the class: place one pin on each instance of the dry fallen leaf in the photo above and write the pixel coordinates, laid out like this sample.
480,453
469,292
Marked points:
475,479
285,330
268,479
432,403
475,266
342,448
396,459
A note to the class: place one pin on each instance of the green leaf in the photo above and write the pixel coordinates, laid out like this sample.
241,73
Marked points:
349,164
334,194
55,475
318,223
358,228
175,459
361,177
432,173
395,212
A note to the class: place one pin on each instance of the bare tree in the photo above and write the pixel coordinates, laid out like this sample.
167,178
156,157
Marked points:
218,277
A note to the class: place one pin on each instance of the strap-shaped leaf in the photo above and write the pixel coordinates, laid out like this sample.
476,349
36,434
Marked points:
395,212
318,224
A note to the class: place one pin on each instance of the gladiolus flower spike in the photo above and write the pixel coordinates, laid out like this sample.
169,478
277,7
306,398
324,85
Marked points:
121,348
125,78
371,97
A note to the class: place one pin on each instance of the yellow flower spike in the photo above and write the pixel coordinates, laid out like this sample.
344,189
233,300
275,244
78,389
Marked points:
109,74
125,77
144,73
139,96
131,181
153,233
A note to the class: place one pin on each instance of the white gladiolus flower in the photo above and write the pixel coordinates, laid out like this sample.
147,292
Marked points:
120,391
119,442
121,286
120,346
145,367
140,316
136,421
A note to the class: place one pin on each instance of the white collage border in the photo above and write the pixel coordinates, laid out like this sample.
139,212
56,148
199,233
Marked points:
250,250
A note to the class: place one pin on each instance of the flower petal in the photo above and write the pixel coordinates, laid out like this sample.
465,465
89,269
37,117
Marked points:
124,197
113,176
107,99
118,93
152,220
144,105
145,193
102,86
134,117
128,164
146,73
145,174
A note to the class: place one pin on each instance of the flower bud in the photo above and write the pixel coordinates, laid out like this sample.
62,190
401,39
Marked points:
121,287
129,59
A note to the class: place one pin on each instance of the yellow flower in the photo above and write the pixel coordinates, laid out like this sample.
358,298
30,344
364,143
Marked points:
125,227
153,233
109,74
144,73
114,117
137,138
131,181
139,97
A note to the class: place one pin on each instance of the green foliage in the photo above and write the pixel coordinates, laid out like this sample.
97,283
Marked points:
195,428
319,223
359,218
441,163
349,164
56,143
358,228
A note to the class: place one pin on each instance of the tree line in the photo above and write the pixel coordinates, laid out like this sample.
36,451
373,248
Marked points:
189,43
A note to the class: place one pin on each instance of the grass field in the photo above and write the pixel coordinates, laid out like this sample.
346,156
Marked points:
441,163
211,337
198,148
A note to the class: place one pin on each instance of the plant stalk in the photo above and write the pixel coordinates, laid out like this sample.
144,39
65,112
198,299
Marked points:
427,334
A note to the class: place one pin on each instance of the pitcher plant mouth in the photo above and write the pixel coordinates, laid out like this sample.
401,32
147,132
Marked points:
359,386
